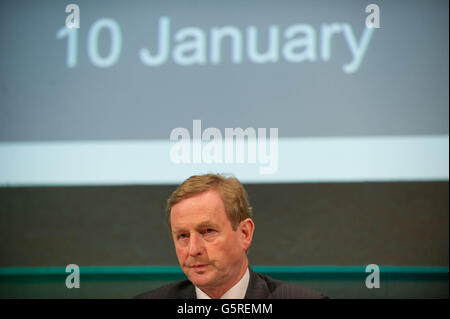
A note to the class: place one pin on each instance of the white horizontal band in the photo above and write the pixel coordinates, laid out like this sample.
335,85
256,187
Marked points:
331,159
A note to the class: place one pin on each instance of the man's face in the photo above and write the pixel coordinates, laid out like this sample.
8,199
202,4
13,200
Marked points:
210,253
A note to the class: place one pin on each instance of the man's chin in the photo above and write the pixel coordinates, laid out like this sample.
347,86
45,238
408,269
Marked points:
200,279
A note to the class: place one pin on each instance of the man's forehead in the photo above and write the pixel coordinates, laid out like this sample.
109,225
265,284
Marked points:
207,199
203,208
203,215
208,204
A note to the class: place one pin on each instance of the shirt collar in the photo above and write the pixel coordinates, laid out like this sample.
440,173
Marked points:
236,292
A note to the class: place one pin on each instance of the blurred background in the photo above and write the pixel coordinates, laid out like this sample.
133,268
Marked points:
359,167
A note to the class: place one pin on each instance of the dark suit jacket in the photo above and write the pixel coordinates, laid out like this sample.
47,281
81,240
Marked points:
259,287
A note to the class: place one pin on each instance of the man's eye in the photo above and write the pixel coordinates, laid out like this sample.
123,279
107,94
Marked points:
182,236
209,231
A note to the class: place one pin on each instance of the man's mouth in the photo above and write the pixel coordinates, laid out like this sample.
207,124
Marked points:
199,266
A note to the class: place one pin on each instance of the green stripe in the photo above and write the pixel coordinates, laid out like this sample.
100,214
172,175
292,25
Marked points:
283,271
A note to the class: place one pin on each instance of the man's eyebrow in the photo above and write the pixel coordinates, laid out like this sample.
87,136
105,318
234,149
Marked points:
207,224
178,230
198,226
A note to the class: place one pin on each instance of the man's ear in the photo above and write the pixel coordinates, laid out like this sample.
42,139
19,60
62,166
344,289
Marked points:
246,229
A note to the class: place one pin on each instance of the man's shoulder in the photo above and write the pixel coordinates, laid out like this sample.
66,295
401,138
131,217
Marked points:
284,290
261,286
183,289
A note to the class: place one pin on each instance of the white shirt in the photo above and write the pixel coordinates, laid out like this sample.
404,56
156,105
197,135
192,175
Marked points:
236,292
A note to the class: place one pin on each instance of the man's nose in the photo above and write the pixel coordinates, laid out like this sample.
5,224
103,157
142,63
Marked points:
195,245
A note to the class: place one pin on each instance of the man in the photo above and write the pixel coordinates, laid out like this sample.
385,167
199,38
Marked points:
210,222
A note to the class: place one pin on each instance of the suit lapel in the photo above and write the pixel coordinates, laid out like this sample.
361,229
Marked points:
189,293
186,290
257,287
